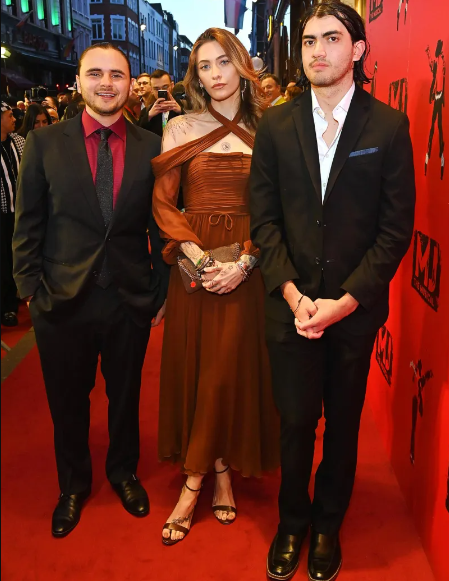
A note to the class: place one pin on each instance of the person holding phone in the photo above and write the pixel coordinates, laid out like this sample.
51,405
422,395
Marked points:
165,107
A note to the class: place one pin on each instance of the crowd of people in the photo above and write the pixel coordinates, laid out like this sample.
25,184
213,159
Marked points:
145,107
270,269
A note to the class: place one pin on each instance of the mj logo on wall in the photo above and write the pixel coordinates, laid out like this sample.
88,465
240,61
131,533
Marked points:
384,353
427,268
398,95
375,9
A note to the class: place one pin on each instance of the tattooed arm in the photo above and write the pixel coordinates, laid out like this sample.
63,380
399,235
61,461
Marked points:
179,132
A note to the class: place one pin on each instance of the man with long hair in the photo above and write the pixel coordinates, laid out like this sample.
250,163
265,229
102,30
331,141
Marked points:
332,208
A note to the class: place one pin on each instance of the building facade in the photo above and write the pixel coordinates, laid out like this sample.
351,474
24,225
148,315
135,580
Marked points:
184,50
171,46
274,35
39,36
81,26
117,22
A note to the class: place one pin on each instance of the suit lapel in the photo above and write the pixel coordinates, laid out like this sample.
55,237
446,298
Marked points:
79,161
303,118
355,122
132,164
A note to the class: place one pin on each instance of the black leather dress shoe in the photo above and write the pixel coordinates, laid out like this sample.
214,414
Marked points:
133,496
10,320
283,557
324,557
67,513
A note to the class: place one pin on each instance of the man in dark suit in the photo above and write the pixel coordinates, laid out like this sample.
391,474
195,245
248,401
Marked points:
156,116
81,259
332,208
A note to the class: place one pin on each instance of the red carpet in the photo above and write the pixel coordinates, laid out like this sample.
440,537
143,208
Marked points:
12,335
379,540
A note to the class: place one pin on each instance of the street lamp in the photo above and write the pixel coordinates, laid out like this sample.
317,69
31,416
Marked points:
5,52
143,27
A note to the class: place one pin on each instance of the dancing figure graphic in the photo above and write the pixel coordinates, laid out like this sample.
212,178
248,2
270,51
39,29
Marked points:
417,402
437,93
399,12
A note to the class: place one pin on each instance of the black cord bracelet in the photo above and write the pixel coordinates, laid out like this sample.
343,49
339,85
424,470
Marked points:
297,306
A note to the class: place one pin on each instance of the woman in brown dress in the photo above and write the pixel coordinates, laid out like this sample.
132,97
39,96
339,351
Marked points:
216,406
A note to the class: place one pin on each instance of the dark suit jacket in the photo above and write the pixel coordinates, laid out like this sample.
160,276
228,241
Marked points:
155,123
358,236
60,238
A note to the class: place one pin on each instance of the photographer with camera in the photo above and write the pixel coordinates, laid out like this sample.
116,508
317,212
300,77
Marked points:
155,117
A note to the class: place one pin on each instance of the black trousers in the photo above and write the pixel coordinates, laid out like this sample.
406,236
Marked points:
307,375
10,302
69,348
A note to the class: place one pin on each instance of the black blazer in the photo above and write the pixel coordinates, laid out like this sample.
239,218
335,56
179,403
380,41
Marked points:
357,237
60,238
155,123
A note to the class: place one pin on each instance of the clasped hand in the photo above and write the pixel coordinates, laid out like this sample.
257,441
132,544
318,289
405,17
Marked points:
311,321
221,278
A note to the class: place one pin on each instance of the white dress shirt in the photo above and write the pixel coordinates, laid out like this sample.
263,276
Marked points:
326,154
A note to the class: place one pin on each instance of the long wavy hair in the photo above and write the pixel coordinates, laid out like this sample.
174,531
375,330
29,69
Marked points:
353,23
29,120
254,101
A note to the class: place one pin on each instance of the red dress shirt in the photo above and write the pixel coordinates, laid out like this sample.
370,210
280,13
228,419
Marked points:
117,143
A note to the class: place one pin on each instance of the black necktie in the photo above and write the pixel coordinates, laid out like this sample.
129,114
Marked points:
104,184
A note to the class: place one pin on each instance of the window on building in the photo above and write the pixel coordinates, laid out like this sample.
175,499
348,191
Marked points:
117,1
118,27
96,1
97,27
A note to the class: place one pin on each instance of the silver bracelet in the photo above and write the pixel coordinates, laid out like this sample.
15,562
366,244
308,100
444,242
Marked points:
249,261
243,271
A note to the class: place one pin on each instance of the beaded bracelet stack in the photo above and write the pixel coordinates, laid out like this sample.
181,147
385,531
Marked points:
245,264
205,261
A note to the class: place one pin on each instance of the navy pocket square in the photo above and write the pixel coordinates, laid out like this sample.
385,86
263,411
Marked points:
363,152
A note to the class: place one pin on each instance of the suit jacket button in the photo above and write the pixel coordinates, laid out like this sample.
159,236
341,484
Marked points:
317,260
318,223
95,273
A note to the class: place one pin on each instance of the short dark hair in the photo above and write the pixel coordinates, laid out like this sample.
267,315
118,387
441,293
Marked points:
158,74
142,75
276,79
353,23
104,46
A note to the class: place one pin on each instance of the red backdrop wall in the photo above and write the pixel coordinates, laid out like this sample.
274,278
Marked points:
408,388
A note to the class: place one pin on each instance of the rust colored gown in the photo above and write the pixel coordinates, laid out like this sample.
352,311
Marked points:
215,388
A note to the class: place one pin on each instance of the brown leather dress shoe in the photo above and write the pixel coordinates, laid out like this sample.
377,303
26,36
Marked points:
283,557
324,557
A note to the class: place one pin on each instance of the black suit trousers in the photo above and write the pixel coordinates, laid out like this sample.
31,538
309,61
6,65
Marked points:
69,348
9,300
309,375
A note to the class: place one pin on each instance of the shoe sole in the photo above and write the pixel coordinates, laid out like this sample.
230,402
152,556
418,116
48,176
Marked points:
334,576
282,577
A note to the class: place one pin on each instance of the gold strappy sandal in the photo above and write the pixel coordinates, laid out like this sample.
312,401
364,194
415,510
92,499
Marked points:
176,524
222,507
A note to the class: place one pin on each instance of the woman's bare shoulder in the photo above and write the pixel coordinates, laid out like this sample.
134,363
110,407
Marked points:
179,131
